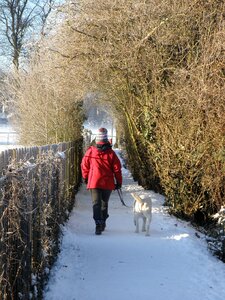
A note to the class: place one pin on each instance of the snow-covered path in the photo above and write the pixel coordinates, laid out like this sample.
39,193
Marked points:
172,264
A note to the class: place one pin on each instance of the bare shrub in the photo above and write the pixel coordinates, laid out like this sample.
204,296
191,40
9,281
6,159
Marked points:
160,65
47,108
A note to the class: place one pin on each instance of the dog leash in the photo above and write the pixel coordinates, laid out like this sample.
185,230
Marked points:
121,197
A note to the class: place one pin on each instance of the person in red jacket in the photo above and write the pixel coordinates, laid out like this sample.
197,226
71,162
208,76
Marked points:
101,171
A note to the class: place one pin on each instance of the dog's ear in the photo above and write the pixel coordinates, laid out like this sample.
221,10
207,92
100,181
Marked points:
137,197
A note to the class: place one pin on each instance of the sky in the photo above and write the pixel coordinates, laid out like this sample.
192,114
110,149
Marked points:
173,263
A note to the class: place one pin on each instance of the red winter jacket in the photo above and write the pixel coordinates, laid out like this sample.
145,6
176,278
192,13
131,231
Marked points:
100,168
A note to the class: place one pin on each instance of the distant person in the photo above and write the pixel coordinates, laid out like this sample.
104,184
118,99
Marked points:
101,171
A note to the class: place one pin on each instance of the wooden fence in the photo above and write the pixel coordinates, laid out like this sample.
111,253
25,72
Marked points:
37,191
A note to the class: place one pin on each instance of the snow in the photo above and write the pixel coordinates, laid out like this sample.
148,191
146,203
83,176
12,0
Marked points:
172,264
8,137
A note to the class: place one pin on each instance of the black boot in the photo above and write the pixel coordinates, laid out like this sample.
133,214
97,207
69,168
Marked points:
103,225
98,229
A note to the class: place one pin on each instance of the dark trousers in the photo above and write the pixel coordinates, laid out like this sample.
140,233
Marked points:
100,199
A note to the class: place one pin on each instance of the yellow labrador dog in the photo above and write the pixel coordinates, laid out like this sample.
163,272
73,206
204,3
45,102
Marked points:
142,209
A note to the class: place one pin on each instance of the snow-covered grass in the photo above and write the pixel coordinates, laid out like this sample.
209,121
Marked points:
172,264
8,137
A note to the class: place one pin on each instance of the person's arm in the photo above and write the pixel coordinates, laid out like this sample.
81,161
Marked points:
85,166
117,171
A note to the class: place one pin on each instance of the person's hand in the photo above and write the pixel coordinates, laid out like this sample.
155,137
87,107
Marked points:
85,180
118,186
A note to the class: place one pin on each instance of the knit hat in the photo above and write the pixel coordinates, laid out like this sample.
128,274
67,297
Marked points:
102,137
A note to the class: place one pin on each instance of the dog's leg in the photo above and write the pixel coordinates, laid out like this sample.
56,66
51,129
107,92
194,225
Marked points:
144,224
135,217
136,222
148,221
137,225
